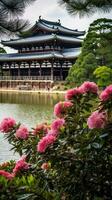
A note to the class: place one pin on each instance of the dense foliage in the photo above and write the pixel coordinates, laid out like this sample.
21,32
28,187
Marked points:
10,10
86,7
96,51
69,159
103,75
2,50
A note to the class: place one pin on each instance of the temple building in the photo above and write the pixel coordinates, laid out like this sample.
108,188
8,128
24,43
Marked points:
44,52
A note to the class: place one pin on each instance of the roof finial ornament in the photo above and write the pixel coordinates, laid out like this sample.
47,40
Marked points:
59,21
40,17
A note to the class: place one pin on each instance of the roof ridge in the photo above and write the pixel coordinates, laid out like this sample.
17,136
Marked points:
72,29
49,22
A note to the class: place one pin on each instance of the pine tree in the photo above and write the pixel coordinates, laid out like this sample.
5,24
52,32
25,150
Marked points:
86,7
10,10
96,51
2,50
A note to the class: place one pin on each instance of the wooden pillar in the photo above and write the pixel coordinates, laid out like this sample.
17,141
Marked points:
9,69
1,71
52,70
1,84
40,70
61,71
19,69
29,70
39,85
7,84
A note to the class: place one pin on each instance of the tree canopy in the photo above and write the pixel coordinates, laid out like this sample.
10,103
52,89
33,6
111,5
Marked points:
86,7
96,51
103,75
10,10
2,50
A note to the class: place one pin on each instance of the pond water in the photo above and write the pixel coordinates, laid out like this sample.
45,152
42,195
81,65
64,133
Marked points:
27,108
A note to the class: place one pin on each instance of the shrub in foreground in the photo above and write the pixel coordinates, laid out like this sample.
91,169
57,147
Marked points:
69,159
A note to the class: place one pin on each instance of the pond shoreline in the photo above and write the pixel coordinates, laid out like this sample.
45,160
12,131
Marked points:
27,107
34,91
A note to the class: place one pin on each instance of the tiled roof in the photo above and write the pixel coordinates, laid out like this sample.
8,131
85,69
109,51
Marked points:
67,53
57,27
42,39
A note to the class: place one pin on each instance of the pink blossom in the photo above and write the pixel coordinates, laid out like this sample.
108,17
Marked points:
7,175
61,108
88,87
42,145
45,142
97,120
53,132
72,93
45,166
58,109
21,165
109,89
50,139
41,129
106,94
22,133
67,104
57,124
7,124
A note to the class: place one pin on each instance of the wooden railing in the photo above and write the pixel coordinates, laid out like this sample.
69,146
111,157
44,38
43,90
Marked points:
25,78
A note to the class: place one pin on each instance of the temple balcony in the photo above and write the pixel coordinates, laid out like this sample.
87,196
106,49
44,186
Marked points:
31,78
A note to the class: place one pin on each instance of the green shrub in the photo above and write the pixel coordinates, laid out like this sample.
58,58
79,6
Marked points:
71,158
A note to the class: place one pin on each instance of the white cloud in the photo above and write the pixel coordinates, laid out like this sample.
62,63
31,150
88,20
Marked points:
51,10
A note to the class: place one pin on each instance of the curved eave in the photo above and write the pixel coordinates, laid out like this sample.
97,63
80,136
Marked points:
59,29
66,39
46,28
41,22
37,39
64,30
70,54
52,27
24,57
55,28
41,39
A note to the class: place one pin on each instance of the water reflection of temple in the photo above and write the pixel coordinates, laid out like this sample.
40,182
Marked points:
45,53
30,98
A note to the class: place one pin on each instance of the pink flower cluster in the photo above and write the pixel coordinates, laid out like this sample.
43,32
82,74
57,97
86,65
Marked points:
41,129
97,120
88,87
21,165
72,93
7,175
50,138
61,108
106,94
22,133
7,124
45,142
57,124
84,88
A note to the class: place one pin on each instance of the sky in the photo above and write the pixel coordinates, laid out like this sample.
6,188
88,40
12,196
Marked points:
51,10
